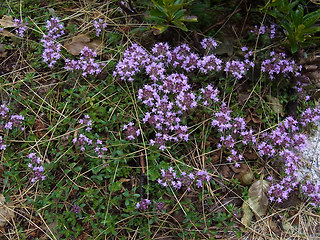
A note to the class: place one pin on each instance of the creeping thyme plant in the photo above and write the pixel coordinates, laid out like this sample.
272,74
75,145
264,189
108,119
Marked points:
107,135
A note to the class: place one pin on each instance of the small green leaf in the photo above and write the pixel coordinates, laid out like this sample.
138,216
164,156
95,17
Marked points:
115,186
190,19
180,25
159,29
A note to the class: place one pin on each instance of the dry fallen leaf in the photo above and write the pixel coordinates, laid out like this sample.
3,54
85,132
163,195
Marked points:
6,33
247,214
5,212
7,21
81,40
275,104
258,199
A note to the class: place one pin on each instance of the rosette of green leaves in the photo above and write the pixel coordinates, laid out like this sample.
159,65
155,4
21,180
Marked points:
298,26
169,13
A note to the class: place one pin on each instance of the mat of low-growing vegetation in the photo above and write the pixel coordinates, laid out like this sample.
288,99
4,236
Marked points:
161,119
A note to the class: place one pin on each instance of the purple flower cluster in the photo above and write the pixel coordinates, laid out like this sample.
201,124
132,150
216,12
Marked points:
7,121
166,114
36,166
277,64
131,131
233,132
76,209
170,178
85,142
52,48
208,95
169,98
87,122
300,85
312,191
136,59
82,141
2,145
86,63
99,26
238,68
143,204
286,136
21,27
264,30
280,191
209,43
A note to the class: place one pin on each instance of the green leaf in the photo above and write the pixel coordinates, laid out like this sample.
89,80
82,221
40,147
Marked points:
161,9
311,18
287,27
159,29
115,186
180,25
175,8
190,19
168,2
156,19
294,47
156,12
178,14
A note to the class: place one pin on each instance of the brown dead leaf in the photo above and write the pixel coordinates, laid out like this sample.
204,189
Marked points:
243,174
256,119
242,98
39,127
258,199
275,104
81,40
6,33
216,156
247,214
250,155
3,52
226,171
96,45
7,21
77,44
242,169
252,116
6,213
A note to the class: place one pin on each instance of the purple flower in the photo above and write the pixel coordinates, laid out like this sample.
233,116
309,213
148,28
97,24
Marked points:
36,167
160,206
99,26
85,64
2,145
143,204
52,48
248,137
76,209
21,27
266,149
209,63
202,176
208,95
131,131
208,43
